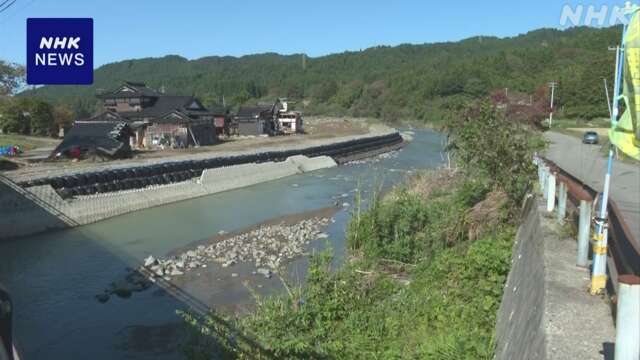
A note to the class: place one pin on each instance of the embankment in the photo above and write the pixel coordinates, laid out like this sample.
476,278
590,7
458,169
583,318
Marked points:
90,197
546,312
519,330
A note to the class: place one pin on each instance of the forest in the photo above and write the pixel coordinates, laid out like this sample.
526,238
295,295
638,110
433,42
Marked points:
421,83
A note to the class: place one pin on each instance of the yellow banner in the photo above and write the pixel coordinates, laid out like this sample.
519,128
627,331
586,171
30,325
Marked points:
624,134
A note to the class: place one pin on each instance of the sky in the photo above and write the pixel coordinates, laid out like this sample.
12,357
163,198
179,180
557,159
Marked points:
127,29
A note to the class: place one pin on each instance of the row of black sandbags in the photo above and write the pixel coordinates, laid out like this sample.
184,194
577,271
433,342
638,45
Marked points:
137,177
126,184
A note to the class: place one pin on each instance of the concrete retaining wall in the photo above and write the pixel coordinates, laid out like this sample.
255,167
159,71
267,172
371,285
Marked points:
519,330
22,215
19,211
306,164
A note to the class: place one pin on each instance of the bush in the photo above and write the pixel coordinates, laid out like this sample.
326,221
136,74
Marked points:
488,144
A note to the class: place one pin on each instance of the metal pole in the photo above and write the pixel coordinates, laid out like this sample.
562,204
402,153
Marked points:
599,269
551,193
562,203
628,319
553,89
606,92
584,227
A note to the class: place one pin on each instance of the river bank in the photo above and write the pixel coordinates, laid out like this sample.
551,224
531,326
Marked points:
241,171
76,264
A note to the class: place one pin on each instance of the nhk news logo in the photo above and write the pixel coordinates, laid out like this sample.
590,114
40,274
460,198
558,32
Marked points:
59,51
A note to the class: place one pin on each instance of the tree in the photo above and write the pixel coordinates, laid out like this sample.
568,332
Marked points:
11,77
15,117
62,116
27,116
41,118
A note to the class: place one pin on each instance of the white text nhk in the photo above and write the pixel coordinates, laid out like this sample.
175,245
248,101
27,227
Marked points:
59,59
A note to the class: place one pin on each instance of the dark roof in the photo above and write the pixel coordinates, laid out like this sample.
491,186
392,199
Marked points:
130,89
108,137
253,111
160,106
218,110
106,116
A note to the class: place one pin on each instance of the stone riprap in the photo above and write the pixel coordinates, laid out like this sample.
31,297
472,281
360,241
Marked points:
267,247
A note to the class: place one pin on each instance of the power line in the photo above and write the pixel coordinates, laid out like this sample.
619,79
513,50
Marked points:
7,6
4,2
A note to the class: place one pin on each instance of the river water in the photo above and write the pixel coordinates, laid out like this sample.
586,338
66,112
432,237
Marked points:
54,278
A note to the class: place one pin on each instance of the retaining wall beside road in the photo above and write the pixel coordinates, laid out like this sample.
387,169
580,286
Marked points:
519,329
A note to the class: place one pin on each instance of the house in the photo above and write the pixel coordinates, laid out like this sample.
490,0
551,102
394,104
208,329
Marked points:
105,135
289,121
255,120
153,120
160,120
221,121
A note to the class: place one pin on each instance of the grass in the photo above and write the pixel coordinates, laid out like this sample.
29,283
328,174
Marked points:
25,142
578,123
416,287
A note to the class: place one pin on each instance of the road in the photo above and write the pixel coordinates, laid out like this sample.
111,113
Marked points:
589,165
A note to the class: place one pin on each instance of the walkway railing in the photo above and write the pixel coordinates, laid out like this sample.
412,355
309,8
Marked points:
621,249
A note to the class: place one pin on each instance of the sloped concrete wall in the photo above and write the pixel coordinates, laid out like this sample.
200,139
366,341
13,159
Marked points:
20,215
520,330
306,164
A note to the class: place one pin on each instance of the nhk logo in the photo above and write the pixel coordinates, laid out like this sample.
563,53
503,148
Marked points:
59,51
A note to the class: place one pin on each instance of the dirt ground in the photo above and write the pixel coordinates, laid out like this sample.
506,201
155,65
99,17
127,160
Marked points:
28,143
315,128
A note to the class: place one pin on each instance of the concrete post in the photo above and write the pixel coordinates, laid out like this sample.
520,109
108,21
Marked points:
562,203
541,177
628,319
545,181
551,192
584,227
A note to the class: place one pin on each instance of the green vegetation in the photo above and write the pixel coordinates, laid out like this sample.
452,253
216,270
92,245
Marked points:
32,116
406,82
25,142
427,267
580,123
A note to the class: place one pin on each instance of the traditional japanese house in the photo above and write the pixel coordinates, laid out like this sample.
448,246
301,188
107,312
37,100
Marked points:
221,120
161,120
105,135
256,120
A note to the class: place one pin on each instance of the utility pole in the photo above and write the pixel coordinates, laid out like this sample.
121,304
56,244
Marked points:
600,238
606,92
552,85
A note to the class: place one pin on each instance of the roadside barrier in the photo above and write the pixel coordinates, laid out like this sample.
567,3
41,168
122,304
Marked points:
621,256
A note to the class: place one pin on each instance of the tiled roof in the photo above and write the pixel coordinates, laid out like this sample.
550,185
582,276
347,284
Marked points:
253,111
108,137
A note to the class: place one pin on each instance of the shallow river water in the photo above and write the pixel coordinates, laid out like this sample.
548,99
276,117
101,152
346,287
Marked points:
53,278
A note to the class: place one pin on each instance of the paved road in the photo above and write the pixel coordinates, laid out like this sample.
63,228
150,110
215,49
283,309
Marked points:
589,165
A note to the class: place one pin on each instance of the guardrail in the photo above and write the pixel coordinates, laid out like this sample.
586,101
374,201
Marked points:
624,250
621,248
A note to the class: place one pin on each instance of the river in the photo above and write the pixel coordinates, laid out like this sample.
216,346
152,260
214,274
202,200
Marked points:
54,277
